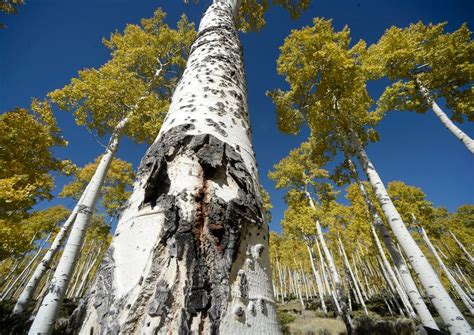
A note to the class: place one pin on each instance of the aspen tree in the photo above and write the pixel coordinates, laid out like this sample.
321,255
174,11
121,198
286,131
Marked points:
219,248
426,63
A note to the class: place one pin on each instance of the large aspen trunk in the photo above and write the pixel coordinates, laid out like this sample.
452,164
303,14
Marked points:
445,120
464,297
49,309
440,298
190,253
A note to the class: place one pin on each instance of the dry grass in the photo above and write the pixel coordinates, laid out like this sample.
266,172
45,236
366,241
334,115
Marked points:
309,324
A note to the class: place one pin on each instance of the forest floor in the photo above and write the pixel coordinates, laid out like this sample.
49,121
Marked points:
296,321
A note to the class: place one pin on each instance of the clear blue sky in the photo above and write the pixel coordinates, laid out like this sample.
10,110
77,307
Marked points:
50,40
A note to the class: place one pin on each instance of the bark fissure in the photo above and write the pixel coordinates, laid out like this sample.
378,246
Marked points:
207,244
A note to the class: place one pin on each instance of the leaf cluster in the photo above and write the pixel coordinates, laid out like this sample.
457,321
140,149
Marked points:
137,82
425,54
327,86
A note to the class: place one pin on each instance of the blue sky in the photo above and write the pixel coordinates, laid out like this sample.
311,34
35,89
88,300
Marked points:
50,40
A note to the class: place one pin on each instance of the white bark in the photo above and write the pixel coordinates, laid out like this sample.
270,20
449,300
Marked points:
408,282
91,264
394,280
430,281
335,277
446,121
27,268
298,288
464,297
463,248
27,293
281,280
352,277
48,312
190,253
317,279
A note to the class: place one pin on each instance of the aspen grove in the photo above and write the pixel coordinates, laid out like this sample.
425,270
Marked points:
237,167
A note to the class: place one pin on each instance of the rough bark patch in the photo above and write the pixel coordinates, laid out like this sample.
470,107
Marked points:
209,243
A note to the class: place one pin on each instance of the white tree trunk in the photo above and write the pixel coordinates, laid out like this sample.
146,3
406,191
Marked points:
391,277
430,281
464,297
281,280
335,277
190,253
355,281
463,248
317,279
48,312
446,121
27,268
27,293
409,284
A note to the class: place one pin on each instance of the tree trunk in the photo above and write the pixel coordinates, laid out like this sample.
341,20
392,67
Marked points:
27,268
410,286
41,269
445,120
392,278
317,279
335,277
464,250
464,297
48,312
190,253
430,281
352,277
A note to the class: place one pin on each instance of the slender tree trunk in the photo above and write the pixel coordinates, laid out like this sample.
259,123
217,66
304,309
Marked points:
430,281
335,277
48,312
298,288
445,120
464,279
410,286
190,253
352,277
464,297
27,293
91,264
281,280
317,279
391,276
27,268
463,248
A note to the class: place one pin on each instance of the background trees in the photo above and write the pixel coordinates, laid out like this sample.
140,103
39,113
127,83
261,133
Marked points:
27,138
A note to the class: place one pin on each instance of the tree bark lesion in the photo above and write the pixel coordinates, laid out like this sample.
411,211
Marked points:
207,243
